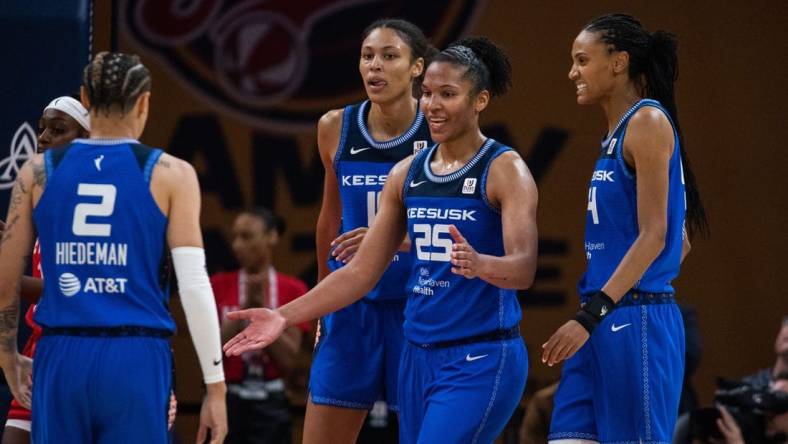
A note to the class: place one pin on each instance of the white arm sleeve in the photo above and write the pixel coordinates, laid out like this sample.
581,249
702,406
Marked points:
200,309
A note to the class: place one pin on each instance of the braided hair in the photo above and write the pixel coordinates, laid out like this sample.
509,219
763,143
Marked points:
653,66
487,65
114,80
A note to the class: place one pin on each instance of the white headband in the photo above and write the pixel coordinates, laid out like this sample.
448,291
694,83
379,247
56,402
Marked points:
73,108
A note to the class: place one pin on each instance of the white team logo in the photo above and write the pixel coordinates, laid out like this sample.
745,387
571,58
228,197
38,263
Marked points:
69,284
354,150
419,145
23,147
97,161
469,186
603,311
612,146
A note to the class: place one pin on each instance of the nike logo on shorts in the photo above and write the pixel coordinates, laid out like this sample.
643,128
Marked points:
415,184
614,328
470,358
354,150
217,361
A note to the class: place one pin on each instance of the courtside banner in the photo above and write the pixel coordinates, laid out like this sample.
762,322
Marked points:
45,44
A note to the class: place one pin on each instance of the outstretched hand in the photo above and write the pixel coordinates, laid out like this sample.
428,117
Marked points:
465,260
265,327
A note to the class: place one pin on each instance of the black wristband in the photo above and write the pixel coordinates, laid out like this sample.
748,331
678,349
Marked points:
595,310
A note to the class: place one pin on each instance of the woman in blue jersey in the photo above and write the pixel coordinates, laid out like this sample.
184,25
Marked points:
625,347
468,205
358,348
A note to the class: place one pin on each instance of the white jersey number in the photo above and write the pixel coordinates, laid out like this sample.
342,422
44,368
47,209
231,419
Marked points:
373,206
432,238
592,205
81,226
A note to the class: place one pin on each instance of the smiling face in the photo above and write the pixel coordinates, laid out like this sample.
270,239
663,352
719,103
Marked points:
56,128
595,69
387,66
448,102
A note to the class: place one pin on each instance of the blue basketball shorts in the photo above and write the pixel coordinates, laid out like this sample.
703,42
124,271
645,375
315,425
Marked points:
461,394
357,355
624,384
111,390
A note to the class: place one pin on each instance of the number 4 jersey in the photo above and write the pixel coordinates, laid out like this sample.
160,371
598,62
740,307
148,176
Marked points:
444,306
102,237
611,220
362,165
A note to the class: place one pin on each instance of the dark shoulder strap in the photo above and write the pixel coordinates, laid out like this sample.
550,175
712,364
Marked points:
146,158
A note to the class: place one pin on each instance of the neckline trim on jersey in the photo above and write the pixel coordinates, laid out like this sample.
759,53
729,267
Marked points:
388,144
107,141
459,173
626,116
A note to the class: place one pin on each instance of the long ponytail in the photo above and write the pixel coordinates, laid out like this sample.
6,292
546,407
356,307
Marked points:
653,64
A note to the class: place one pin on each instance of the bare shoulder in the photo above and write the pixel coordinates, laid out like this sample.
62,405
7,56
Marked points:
172,170
510,165
331,120
329,128
399,172
649,121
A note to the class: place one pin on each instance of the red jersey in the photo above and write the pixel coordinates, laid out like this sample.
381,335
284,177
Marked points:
229,289
16,411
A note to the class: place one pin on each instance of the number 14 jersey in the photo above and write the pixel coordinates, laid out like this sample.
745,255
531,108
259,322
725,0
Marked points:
102,238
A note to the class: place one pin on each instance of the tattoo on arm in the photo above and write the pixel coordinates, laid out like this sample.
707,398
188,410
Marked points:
39,173
9,321
163,163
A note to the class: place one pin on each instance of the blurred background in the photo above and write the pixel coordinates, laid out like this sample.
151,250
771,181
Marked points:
238,87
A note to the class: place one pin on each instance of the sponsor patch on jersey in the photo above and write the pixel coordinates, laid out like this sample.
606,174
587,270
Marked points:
612,146
469,186
419,145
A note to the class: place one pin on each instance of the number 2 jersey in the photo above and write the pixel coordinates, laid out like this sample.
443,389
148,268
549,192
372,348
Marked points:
611,219
102,238
362,165
444,306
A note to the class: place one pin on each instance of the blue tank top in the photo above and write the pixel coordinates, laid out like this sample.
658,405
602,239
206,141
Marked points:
102,238
362,165
611,219
444,306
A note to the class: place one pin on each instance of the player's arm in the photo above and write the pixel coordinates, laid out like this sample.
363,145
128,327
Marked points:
648,146
511,187
342,287
329,129
184,238
31,288
16,244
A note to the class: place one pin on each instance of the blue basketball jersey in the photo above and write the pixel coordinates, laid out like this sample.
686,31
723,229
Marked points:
102,238
611,220
362,165
444,306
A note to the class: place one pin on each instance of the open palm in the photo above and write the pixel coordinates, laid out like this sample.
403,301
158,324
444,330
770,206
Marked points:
265,327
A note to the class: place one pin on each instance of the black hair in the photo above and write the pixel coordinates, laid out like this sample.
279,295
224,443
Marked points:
653,66
270,219
488,66
413,36
115,80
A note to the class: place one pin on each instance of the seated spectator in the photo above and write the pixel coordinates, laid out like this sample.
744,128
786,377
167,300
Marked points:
258,410
764,377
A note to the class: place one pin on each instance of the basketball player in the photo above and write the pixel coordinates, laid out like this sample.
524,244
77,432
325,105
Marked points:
623,385
358,348
103,209
63,120
468,205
